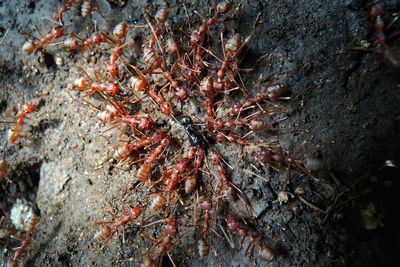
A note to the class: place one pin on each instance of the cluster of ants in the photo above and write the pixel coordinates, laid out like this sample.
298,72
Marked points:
142,102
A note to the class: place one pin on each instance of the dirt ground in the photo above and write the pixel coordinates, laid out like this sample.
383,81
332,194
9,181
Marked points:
343,107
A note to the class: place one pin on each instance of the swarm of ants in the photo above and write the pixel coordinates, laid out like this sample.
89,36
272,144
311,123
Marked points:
173,154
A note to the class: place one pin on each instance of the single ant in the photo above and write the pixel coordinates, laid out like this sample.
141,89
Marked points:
203,246
19,124
75,42
191,181
58,16
390,53
161,17
265,253
31,46
272,92
163,244
140,83
117,113
86,84
110,228
120,32
196,139
269,157
3,170
145,169
124,153
34,221
178,170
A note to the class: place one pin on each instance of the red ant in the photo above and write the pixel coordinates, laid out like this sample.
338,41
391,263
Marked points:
391,53
269,157
34,221
58,16
175,176
191,181
145,169
197,37
87,7
75,42
124,152
117,114
272,92
31,46
83,84
233,47
110,228
178,169
140,83
265,253
163,244
203,246
20,123
3,170
120,32
161,17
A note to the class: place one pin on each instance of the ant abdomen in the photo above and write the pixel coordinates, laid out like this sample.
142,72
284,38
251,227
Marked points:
314,164
203,247
266,254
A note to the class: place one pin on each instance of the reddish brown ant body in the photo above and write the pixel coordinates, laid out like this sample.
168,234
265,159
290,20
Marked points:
110,228
3,170
272,92
58,16
34,221
83,84
125,152
117,114
31,46
20,122
197,38
140,83
203,246
163,243
145,169
265,253
87,8
178,169
391,53
269,157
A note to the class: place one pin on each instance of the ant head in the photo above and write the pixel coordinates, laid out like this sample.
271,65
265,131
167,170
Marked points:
377,10
186,121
